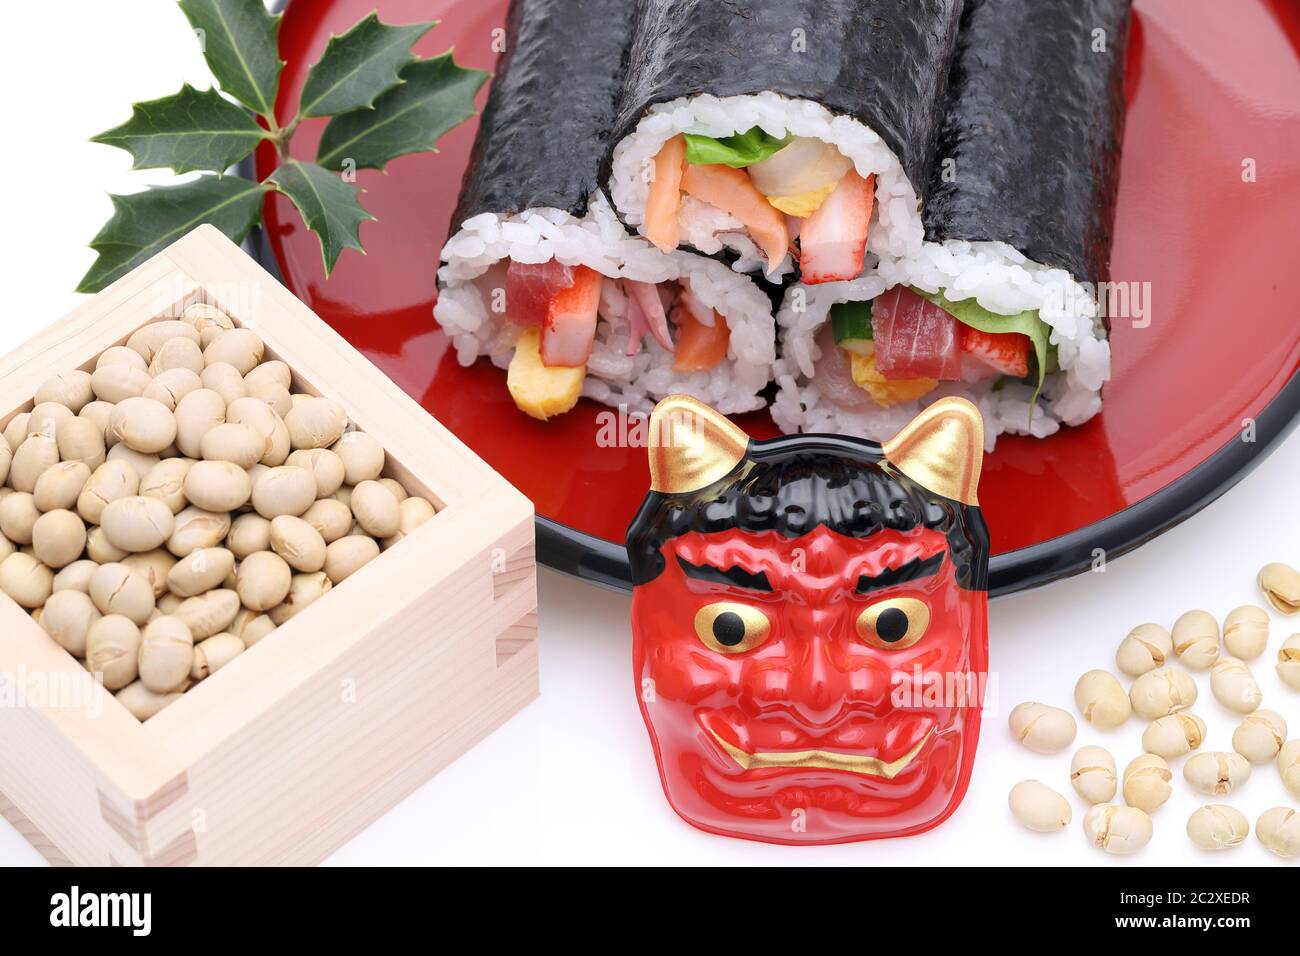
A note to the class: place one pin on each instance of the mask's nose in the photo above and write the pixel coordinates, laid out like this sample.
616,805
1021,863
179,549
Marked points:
826,675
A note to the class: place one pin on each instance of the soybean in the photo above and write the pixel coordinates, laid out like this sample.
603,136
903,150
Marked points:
1260,736
414,512
70,389
142,462
209,613
116,382
75,577
197,414
1281,586
298,543
67,617
166,654
137,523
98,548
1042,729
26,580
217,485
248,534
1288,765
325,466
18,514
1234,686
329,516
112,650
1245,631
305,590
1217,827
166,482
349,554
177,355
117,590
1161,692
1146,782
79,440
37,453
1102,700
1174,735
285,490
154,566
142,703
224,379
1288,661
107,483
148,339
200,571
1279,830
215,653
58,538
171,386
263,580
1092,774
208,320
1117,829
234,442
60,486
1196,639
376,510
316,423
46,417
362,456
1038,807
195,528
241,348
1216,773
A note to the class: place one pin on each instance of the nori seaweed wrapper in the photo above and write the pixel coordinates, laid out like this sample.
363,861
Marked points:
1034,121
883,62
550,109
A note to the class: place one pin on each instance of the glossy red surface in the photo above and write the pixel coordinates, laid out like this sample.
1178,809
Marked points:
1213,86
743,739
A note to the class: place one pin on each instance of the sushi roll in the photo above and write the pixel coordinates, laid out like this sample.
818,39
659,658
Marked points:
1000,304
746,130
541,278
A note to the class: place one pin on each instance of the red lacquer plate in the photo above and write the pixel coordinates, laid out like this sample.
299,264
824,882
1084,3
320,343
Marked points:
1208,204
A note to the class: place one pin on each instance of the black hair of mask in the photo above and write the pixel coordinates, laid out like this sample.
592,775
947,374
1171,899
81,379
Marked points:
795,484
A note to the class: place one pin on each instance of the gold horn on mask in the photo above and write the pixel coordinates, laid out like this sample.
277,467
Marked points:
942,449
691,445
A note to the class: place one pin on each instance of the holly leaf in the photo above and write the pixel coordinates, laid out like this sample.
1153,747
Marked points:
145,223
435,96
192,130
240,43
358,66
328,205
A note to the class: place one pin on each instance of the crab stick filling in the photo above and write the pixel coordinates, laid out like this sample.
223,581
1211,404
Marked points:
553,309
774,189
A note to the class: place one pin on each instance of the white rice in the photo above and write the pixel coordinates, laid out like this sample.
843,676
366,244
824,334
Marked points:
895,229
470,306
1001,280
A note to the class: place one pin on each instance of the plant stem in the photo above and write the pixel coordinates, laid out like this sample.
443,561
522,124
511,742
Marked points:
282,135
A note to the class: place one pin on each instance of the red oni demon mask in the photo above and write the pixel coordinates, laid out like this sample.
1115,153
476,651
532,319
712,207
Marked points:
809,624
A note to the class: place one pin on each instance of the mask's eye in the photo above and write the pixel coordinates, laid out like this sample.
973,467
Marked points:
731,628
896,623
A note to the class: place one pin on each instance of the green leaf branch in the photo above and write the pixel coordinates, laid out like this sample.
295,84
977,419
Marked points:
381,100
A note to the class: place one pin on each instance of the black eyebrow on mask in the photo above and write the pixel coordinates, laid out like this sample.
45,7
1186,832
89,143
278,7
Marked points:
735,577
913,570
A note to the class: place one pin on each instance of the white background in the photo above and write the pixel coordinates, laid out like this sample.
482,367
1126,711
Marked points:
571,778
